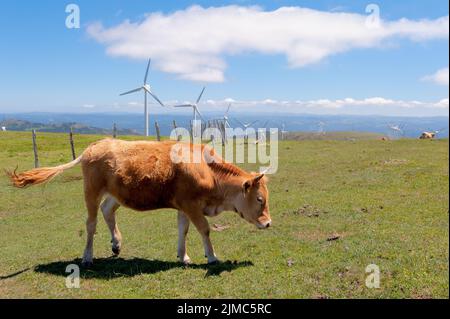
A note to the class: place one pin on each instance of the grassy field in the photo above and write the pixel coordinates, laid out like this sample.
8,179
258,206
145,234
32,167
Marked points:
336,136
337,206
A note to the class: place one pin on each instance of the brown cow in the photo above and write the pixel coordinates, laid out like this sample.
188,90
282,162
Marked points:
427,136
143,176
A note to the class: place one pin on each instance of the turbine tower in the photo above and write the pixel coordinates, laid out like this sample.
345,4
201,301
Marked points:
147,90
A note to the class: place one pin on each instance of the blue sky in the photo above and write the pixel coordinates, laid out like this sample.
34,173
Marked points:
44,66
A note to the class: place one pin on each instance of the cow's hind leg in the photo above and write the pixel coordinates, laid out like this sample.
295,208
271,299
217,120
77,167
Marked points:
109,207
183,228
92,203
202,225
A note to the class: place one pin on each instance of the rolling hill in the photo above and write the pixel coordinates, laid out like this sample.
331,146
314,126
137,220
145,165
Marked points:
23,125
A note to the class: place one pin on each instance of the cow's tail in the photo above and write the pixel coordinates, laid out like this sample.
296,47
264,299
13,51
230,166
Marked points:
39,175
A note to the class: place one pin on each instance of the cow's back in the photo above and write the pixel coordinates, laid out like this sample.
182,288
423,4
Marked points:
139,174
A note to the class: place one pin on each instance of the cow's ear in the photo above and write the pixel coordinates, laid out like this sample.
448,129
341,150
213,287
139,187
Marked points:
246,186
258,178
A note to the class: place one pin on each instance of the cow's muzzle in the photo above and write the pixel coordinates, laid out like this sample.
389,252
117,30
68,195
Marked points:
264,225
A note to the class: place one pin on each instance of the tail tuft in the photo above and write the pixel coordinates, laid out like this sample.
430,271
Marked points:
33,177
38,175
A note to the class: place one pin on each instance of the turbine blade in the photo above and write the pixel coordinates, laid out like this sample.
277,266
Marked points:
237,120
132,91
226,113
156,98
146,72
200,96
198,112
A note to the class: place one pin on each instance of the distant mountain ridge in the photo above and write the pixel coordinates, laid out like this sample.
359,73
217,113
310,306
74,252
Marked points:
23,125
134,123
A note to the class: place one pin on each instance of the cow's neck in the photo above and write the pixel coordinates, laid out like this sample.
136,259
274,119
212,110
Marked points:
228,180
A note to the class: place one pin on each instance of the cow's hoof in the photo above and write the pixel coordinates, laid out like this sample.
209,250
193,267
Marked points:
214,262
87,264
115,250
187,261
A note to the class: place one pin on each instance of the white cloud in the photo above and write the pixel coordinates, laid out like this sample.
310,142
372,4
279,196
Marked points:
88,106
441,104
439,77
133,103
373,103
194,42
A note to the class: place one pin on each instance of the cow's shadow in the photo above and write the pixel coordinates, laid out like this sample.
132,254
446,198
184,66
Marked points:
111,267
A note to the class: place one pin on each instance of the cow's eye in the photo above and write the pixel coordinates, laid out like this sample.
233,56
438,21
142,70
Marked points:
260,199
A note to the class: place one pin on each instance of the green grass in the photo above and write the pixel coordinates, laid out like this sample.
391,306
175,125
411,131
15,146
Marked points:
340,135
388,201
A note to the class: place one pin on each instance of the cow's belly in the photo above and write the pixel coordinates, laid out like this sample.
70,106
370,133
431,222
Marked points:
146,195
142,182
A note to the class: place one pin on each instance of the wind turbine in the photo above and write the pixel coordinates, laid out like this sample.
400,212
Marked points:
260,134
396,129
321,128
283,131
225,123
224,118
147,89
195,110
222,123
245,125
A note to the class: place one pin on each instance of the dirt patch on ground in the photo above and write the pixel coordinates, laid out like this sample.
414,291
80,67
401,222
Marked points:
308,211
368,210
12,288
321,236
394,162
314,235
4,214
424,294
219,228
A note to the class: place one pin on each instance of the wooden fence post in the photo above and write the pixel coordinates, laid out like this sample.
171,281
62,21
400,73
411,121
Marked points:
72,147
191,125
222,130
203,128
158,135
36,159
176,131
114,130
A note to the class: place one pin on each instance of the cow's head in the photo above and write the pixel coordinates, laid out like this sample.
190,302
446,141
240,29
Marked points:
253,202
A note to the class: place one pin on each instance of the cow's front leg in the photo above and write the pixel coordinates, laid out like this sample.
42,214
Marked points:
202,225
183,228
